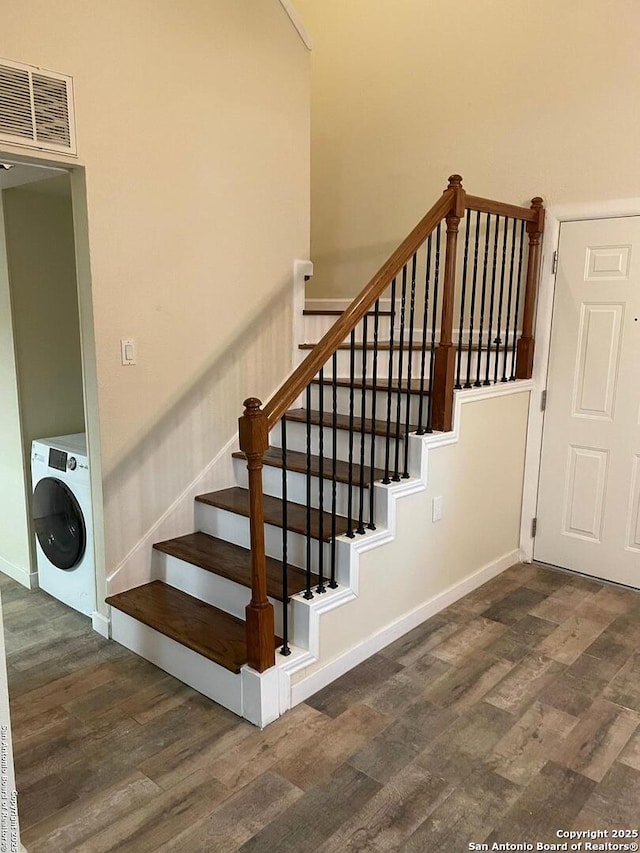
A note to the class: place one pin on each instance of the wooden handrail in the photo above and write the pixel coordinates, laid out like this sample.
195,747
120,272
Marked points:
500,208
304,374
256,422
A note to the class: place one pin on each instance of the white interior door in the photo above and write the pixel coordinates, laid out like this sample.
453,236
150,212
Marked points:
589,493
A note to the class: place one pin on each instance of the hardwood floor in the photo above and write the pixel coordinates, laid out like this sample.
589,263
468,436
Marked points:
511,715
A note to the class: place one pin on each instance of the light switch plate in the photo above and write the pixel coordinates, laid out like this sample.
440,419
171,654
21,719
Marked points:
128,351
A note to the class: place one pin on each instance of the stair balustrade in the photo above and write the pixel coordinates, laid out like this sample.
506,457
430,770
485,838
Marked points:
405,383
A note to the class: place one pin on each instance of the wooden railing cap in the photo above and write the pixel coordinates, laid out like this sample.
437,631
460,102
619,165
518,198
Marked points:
251,404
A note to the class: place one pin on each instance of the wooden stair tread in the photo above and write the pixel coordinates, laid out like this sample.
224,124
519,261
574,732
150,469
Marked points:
236,500
297,461
207,630
342,422
232,562
335,312
381,386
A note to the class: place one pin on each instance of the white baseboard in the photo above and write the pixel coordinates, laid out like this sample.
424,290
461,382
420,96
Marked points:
101,624
339,666
18,574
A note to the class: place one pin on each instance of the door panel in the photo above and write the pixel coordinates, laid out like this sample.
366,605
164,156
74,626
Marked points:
589,492
598,360
585,493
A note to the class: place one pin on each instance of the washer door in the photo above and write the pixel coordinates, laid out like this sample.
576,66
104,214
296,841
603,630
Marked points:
59,523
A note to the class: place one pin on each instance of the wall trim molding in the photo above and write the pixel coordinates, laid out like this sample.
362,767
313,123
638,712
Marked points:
295,19
555,216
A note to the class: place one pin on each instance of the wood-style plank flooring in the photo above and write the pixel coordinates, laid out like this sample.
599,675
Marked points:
510,715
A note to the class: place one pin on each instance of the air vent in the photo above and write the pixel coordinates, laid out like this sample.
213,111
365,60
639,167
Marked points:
36,108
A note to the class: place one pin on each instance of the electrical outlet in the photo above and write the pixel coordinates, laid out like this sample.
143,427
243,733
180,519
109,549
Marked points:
436,508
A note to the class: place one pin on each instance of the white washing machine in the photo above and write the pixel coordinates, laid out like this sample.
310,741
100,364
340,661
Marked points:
63,520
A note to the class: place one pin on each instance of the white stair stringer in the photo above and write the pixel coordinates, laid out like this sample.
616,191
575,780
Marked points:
419,453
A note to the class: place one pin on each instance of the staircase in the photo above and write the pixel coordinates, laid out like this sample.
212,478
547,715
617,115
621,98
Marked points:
235,609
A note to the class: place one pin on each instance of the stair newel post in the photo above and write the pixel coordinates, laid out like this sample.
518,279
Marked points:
445,354
254,441
526,344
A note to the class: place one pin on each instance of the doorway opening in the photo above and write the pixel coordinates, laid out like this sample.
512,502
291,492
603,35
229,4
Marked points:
46,505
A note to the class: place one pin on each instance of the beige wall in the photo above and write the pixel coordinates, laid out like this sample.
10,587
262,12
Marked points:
521,98
14,531
42,276
480,480
193,129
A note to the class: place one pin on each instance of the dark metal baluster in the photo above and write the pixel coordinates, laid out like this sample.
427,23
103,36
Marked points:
352,370
387,453
463,296
434,320
496,366
334,466
403,308
374,389
363,415
487,381
478,383
474,281
509,300
321,587
285,650
412,312
425,316
308,593
517,308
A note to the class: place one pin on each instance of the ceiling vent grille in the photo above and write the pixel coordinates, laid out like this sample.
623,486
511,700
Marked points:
36,108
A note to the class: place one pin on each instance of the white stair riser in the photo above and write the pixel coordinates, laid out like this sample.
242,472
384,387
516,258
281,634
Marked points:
382,367
297,487
297,440
232,597
235,528
213,589
382,400
316,326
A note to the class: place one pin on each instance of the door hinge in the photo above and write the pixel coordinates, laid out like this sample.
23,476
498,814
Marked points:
534,527
555,262
543,401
